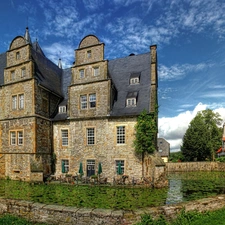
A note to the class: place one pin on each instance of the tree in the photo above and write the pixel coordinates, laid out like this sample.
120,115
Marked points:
202,137
146,131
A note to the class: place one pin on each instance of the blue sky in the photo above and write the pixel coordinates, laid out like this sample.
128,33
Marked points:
190,38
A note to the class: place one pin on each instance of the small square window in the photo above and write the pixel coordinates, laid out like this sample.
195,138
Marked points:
96,71
134,80
62,109
131,102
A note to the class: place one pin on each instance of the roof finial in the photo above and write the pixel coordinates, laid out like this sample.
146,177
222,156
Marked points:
60,62
27,36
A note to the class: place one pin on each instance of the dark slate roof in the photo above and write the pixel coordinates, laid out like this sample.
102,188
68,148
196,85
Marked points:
66,81
2,67
61,116
163,147
48,74
120,71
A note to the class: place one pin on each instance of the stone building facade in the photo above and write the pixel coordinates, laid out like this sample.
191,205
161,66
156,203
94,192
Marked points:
52,120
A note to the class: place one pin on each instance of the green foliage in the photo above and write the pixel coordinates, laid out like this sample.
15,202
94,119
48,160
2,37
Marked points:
203,137
146,219
146,130
9,219
176,157
220,159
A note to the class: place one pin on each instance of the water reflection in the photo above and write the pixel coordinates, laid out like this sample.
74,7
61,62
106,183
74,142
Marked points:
175,194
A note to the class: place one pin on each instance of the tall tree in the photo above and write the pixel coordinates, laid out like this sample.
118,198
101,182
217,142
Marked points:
202,137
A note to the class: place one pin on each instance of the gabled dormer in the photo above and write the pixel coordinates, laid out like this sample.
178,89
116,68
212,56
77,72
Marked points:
18,59
90,65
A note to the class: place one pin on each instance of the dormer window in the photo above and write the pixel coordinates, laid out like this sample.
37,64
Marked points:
131,99
62,109
89,54
135,78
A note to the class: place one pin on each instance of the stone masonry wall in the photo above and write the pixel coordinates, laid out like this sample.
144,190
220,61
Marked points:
195,166
63,215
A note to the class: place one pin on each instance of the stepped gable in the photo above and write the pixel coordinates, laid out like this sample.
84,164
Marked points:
120,71
2,67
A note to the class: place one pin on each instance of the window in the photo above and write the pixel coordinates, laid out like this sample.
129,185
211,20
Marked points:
134,80
121,162
92,100
23,72
16,137
14,102
89,54
62,109
13,75
13,138
18,55
21,101
81,72
65,166
83,101
90,136
20,137
131,102
121,135
96,71
64,135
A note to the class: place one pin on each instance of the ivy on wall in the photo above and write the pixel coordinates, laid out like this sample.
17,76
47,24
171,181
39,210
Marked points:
146,131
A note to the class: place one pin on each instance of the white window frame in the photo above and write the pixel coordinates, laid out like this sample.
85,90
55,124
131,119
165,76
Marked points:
81,73
65,137
96,71
20,137
134,80
131,101
90,135
62,109
66,165
21,101
122,163
83,101
16,137
121,135
14,102
92,100
12,137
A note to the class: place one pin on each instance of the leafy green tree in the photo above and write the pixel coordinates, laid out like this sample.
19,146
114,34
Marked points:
203,136
146,132
176,157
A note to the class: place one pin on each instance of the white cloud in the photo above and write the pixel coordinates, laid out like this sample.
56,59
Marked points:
174,128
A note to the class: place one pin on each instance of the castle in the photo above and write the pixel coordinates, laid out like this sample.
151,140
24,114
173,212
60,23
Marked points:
53,119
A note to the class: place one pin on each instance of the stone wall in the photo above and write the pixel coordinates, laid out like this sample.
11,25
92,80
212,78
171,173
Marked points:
63,215
195,166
